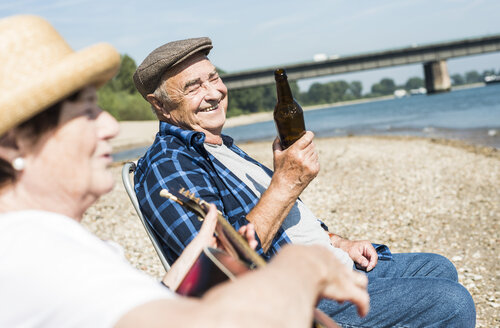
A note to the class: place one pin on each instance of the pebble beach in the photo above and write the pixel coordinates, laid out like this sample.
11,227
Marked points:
412,194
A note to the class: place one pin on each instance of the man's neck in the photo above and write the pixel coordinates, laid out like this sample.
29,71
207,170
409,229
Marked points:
213,139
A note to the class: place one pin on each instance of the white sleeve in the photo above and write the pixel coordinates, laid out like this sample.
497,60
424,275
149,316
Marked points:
70,279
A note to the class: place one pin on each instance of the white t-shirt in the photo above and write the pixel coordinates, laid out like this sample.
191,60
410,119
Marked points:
55,273
300,225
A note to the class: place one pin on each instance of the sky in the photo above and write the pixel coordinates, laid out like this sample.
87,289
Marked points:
273,33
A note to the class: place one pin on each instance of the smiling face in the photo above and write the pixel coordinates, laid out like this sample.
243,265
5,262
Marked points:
198,97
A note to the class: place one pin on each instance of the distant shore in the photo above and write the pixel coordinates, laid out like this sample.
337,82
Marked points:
134,134
141,133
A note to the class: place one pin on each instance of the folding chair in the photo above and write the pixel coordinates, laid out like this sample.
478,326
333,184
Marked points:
128,168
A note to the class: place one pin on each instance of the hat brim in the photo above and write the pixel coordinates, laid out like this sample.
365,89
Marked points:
94,65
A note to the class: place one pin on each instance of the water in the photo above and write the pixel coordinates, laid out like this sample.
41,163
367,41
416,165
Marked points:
468,114
471,114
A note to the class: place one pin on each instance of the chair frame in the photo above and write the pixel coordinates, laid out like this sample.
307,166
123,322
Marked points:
129,168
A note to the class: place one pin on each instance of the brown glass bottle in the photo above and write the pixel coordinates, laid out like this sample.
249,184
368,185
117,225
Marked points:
288,114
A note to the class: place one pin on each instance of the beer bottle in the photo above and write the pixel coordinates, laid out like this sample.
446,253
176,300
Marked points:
288,114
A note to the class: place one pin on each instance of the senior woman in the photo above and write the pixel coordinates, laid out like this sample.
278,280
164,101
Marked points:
54,159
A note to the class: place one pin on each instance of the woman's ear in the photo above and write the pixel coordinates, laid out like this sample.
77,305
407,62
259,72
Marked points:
9,147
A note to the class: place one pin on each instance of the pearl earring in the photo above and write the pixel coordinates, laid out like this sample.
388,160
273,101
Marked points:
18,164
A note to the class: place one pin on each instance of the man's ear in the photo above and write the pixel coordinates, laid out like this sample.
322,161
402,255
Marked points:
161,110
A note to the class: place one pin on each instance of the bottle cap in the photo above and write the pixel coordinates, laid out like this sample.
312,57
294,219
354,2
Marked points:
280,73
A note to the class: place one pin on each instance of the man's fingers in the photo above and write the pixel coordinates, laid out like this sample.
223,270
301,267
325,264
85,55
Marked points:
372,256
277,144
373,262
305,140
361,260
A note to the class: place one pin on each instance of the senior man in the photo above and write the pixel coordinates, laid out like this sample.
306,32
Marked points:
190,101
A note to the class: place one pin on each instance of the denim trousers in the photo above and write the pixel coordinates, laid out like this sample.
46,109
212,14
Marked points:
411,290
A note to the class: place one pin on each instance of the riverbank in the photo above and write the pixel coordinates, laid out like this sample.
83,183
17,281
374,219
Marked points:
413,194
135,134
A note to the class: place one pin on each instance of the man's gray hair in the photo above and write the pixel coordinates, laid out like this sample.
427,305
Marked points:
161,94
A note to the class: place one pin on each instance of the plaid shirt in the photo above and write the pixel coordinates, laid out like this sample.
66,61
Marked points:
178,159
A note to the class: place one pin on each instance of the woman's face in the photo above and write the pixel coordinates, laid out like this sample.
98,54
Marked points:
74,158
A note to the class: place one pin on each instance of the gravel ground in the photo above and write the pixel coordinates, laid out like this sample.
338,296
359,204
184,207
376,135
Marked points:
415,195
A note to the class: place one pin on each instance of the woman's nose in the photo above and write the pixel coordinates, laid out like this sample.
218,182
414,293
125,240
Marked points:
108,126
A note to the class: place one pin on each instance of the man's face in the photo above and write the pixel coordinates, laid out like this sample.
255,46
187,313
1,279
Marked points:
199,98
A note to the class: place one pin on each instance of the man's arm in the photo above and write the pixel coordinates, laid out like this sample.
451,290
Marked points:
176,226
283,294
294,169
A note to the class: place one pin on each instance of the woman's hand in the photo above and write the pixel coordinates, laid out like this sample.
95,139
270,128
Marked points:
205,237
248,232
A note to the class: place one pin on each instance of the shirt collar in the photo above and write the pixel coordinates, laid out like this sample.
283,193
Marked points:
189,137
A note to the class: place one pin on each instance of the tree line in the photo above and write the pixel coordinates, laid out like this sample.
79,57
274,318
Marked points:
120,98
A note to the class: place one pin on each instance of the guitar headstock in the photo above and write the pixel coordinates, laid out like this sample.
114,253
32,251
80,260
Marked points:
188,199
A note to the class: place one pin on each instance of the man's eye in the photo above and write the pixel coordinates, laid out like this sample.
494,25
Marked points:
215,78
193,88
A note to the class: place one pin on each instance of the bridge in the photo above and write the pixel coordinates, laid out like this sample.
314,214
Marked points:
432,56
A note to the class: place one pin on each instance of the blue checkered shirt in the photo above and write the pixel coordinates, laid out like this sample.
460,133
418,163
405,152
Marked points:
178,159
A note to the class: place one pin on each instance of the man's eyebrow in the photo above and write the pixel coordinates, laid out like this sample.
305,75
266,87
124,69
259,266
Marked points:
198,80
192,82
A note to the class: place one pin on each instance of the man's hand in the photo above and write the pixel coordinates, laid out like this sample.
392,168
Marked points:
294,168
361,252
298,165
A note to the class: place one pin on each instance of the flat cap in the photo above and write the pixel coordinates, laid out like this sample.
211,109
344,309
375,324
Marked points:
149,73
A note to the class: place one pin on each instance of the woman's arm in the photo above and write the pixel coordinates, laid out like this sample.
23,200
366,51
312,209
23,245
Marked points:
282,294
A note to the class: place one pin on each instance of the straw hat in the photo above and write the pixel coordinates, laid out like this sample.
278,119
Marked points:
38,68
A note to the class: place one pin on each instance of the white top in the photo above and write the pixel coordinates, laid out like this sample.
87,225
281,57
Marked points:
300,225
55,273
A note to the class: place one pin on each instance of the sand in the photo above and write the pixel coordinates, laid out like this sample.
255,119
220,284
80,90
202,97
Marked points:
412,194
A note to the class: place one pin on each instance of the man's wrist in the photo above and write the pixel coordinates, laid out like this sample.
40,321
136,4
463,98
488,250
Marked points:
335,239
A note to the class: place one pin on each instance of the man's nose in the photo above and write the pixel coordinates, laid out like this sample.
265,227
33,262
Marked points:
212,92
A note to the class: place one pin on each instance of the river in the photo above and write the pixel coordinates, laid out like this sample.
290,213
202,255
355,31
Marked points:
469,114
472,115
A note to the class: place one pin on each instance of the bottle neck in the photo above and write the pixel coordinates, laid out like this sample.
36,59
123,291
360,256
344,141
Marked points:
283,90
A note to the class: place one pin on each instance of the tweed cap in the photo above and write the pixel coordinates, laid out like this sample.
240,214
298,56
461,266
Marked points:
149,73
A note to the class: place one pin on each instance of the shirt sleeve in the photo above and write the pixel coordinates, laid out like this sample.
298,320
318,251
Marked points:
54,273
174,225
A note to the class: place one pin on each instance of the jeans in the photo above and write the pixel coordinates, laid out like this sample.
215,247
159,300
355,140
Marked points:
411,290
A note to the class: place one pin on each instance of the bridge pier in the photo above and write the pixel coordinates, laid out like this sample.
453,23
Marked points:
437,78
